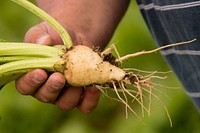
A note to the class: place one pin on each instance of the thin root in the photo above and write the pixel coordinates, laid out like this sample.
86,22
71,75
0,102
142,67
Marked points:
138,87
165,108
152,51
124,102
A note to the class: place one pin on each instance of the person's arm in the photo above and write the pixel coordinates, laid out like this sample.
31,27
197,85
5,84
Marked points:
94,20
89,22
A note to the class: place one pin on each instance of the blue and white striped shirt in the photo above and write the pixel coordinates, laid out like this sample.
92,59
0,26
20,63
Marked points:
172,21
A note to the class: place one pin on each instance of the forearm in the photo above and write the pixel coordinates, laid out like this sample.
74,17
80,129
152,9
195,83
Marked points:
95,20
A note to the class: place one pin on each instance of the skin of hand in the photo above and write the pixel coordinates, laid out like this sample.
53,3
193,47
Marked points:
89,22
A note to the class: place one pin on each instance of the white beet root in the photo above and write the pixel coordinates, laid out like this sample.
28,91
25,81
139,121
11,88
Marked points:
86,67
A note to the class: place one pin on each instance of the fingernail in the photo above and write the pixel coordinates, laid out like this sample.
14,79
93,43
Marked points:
42,39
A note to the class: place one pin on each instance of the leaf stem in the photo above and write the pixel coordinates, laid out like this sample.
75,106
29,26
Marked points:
50,20
13,70
29,49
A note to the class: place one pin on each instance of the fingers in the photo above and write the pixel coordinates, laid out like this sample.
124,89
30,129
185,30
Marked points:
46,35
90,100
75,97
30,82
69,98
43,34
50,90
35,83
38,34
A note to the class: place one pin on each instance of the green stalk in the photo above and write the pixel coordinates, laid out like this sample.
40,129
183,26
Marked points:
29,49
13,70
17,59
11,76
7,59
50,20
43,63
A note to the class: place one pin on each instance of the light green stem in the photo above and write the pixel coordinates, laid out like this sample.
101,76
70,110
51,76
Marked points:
50,20
43,63
29,49
17,59
13,70
7,59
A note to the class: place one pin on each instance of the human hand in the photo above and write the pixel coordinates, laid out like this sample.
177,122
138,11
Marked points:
51,88
90,23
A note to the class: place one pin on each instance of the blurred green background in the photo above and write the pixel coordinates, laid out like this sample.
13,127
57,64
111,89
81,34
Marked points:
24,114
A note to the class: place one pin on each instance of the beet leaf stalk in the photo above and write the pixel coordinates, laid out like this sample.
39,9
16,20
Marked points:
50,20
17,59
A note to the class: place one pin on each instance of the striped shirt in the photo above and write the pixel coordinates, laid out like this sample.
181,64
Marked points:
172,21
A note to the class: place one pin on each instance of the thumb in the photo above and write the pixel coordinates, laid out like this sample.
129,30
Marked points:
38,34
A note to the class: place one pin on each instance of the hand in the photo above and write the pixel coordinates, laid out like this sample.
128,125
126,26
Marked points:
52,89
89,23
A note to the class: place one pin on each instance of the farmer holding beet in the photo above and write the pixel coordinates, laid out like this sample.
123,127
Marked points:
94,22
